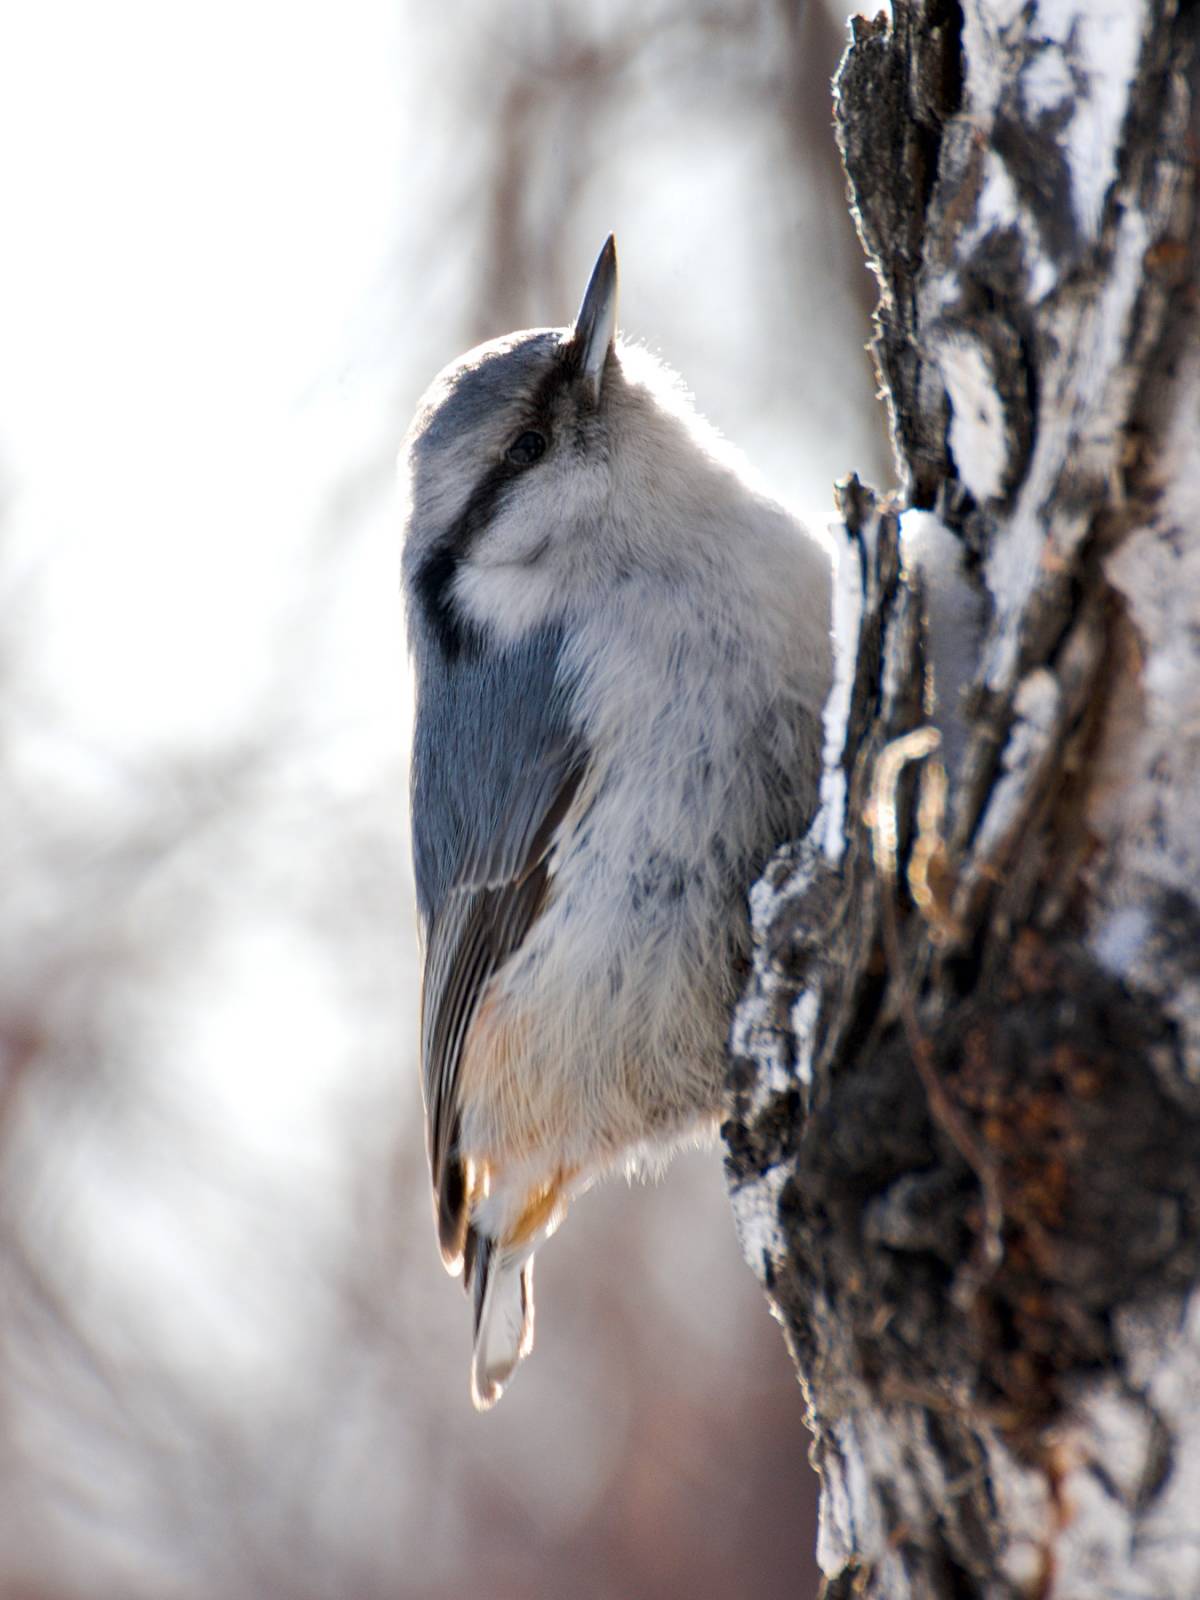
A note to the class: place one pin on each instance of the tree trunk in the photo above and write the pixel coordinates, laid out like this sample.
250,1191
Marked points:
964,1136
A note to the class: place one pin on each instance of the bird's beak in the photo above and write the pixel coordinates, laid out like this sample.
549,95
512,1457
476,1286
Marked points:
596,324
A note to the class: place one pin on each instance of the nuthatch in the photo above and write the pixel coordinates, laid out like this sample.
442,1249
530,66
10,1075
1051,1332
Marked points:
622,651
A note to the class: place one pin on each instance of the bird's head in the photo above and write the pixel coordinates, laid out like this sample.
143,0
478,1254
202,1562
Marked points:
535,468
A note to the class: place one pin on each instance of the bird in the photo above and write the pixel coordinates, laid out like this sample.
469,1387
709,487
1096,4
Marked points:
621,650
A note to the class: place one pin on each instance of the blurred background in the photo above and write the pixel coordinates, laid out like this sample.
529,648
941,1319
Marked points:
238,241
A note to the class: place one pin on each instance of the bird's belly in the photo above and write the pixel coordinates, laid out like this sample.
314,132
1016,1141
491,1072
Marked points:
605,1033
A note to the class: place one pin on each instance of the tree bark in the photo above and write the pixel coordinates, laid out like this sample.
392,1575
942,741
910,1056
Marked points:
964,1130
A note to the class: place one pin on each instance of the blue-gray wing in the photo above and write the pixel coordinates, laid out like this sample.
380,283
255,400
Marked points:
496,766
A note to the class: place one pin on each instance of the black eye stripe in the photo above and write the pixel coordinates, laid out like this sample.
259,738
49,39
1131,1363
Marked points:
433,580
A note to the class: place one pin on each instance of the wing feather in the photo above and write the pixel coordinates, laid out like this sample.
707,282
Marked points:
485,819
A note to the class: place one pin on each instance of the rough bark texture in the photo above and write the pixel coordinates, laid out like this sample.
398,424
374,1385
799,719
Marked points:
964,1132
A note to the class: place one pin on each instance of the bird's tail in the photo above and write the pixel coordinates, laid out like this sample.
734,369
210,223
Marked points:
501,1284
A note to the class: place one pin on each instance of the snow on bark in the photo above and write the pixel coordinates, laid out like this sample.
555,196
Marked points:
964,1107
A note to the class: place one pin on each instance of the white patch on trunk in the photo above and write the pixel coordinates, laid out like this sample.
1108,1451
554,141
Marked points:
978,435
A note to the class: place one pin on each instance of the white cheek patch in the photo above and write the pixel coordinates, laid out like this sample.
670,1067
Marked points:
508,600
544,508
521,526
522,571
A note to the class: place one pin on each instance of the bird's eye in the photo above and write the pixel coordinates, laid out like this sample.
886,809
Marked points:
526,448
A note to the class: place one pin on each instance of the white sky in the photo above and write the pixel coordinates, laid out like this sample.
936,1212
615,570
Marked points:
192,228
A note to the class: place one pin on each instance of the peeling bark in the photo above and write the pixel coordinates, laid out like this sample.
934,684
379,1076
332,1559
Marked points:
964,1129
